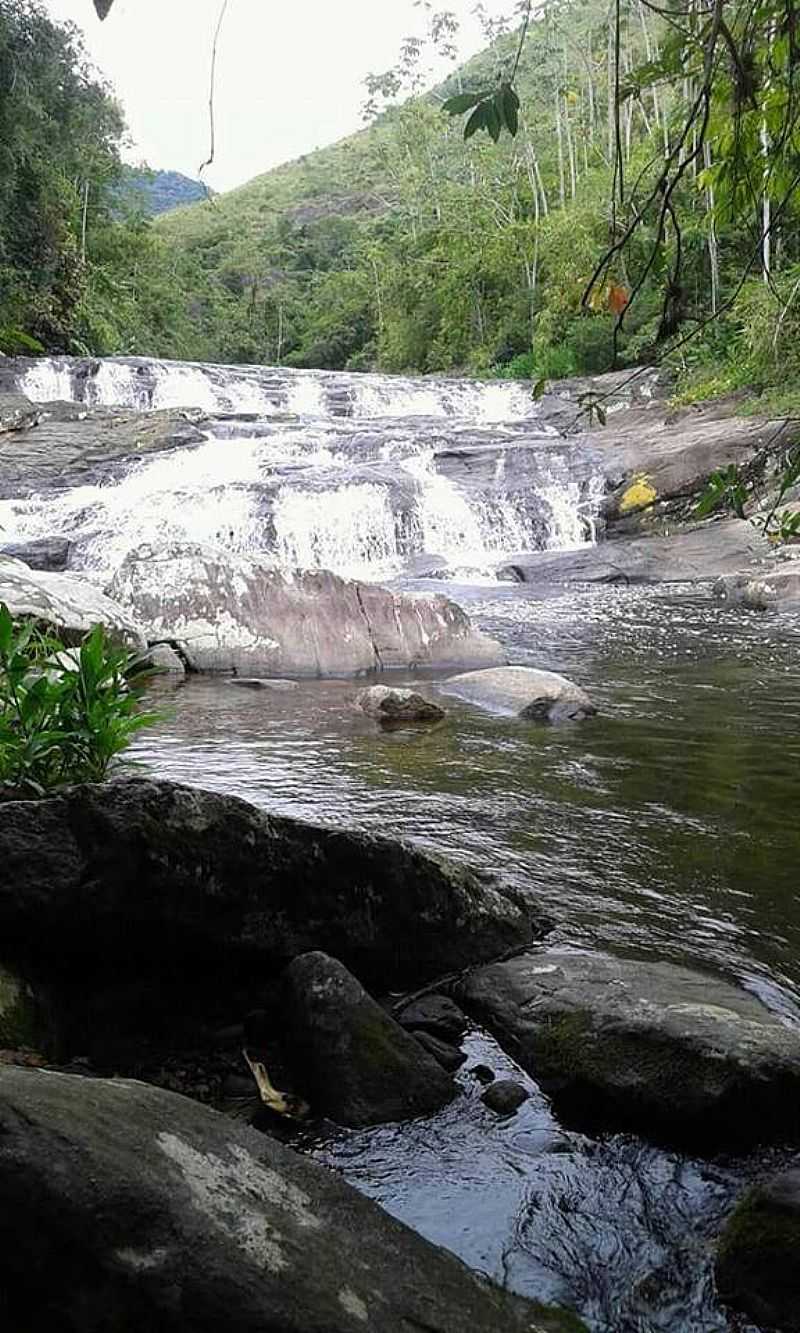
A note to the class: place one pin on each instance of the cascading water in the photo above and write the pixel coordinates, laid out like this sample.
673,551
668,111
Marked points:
355,473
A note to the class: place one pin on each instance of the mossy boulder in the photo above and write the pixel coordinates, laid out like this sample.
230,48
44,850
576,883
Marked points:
20,1015
678,1055
353,1061
758,1260
140,875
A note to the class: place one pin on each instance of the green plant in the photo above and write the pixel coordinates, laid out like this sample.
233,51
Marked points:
725,490
65,713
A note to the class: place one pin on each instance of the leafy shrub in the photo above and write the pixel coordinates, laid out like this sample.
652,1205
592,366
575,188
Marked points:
65,713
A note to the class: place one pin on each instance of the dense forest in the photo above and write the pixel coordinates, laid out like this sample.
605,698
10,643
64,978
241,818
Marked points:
643,210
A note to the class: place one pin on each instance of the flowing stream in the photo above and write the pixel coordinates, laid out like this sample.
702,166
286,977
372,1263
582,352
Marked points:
664,827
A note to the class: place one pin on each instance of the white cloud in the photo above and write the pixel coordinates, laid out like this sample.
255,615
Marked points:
289,76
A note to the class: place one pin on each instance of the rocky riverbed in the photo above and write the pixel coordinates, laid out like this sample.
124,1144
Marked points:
261,963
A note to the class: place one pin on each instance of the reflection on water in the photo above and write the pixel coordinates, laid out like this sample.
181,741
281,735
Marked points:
667,826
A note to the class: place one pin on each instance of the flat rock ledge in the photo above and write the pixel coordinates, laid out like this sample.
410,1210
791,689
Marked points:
139,872
538,696
775,589
675,1054
130,1208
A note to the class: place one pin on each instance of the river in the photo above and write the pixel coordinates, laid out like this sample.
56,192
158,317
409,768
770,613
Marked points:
666,827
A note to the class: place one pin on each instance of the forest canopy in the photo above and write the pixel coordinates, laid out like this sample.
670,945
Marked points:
635,200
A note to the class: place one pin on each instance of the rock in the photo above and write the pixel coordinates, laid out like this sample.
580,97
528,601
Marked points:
16,412
665,455
353,1062
151,874
396,705
243,615
69,605
694,554
449,1057
166,659
541,696
126,1207
758,1260
73,445
676,1054
47,553
437,1014
20,1014
776,589
505,1096
483,1074
261,683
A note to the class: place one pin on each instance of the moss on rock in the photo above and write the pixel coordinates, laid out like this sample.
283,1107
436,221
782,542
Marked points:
20,1017
758,1259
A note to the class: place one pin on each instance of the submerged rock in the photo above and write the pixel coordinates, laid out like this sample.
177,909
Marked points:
397,705
66,603
125,1207
758,1260
352,1060
243,615
140,872
673,1053
263,683
541,696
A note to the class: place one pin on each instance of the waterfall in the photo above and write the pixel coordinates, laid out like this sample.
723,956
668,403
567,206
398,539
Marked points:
361,474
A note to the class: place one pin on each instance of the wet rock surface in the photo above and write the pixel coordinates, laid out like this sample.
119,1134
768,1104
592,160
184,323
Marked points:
538,696
676,1054
46,553
398,705
127,1207
693,554
354,1063
775,589
245,616
66,603
146,872
758,1259
504,1096
436,1014
67,444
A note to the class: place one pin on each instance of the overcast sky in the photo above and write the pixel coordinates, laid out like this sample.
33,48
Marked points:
289,73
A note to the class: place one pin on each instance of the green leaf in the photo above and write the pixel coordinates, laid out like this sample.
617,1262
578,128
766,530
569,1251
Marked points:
477,120
510,109
600,413
103,7
494,124
456,106
539,388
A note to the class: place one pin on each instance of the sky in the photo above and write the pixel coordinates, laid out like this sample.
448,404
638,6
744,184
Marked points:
289,73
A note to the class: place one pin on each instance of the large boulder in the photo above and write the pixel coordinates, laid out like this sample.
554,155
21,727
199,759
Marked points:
758,1259
540,696
353,1061
662,458
146,873
128,1208
65,603
694,554
776,589
243,615
676,1054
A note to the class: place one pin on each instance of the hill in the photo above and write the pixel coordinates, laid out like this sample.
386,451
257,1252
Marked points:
156,192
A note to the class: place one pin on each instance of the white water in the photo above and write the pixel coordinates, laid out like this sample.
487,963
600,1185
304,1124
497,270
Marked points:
355,473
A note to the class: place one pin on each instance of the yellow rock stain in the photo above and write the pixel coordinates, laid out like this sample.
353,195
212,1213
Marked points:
639,495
